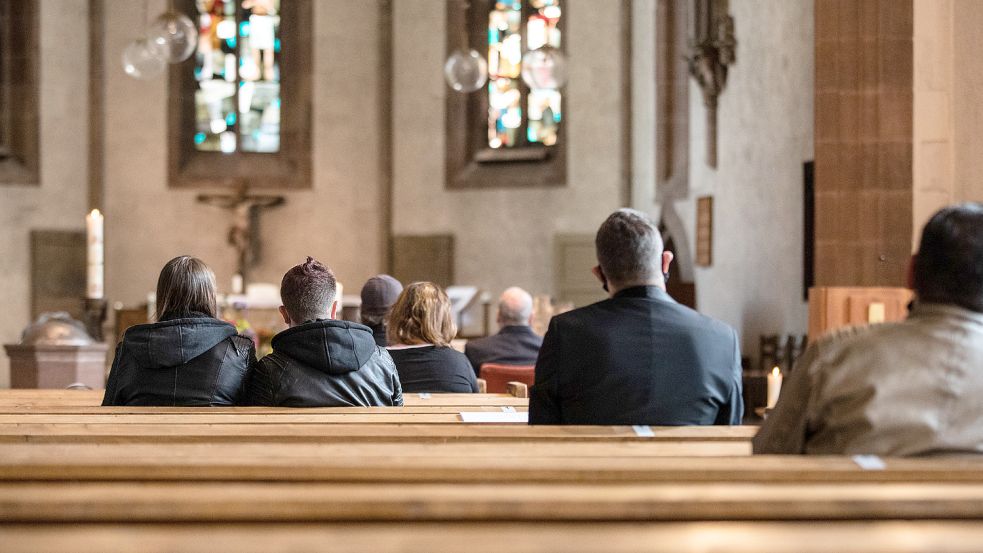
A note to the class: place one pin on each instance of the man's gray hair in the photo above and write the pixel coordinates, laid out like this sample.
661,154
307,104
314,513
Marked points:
629,248
515,307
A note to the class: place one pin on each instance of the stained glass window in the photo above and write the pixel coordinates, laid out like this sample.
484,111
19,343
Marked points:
237,70
519,115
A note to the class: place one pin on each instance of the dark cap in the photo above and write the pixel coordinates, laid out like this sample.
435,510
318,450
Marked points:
379,294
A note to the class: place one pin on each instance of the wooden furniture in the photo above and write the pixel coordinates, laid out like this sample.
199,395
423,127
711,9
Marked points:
497,376
833,307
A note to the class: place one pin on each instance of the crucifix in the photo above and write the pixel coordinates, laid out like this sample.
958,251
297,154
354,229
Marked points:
712,48
245,208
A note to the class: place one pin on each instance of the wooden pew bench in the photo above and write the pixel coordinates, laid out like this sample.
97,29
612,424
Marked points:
495,537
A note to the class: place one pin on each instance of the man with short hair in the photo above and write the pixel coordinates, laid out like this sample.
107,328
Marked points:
379,293
515,343
638,358
905,388
320,361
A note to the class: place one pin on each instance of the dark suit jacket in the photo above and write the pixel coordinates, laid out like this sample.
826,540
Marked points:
513,345
637,358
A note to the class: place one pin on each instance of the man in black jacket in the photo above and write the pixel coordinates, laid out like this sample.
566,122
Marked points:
638,358
319,361
515,343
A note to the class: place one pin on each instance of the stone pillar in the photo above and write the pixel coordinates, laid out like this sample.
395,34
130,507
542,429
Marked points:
863,141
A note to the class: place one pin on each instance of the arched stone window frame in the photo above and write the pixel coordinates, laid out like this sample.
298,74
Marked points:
290,167
470,162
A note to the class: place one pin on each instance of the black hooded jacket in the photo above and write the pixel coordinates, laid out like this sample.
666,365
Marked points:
194,360
326,363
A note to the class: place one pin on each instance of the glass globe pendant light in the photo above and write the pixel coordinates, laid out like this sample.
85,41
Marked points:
174,35
142,61
466,71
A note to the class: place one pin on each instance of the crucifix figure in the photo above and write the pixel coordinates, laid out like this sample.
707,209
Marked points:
245,209
712,48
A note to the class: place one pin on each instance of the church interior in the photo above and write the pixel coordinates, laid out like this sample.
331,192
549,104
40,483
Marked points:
789,151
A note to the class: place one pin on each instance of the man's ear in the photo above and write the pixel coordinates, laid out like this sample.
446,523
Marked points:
667,258
286,317
599,274
910,271
334,309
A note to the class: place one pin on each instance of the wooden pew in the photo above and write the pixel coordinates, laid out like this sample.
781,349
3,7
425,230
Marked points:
137,502
635,462
495,537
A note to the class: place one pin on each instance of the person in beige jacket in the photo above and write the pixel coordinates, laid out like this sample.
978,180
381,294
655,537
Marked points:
898,389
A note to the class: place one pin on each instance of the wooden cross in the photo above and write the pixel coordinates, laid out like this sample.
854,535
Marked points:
245,209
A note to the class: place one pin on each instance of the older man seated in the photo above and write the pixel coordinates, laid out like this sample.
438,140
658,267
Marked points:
515,343
907,388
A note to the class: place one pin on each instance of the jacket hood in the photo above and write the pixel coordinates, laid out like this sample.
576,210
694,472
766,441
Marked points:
331,346
176,341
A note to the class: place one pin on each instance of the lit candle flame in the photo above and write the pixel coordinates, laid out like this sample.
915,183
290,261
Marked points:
776,371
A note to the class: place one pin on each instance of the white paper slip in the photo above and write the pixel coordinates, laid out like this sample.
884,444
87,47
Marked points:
508,409
424,395
643,431
869,462
495,417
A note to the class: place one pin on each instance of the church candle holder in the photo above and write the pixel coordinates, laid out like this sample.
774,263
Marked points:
94,316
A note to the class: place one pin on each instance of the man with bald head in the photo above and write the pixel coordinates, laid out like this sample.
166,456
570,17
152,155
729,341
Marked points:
515,343
638,358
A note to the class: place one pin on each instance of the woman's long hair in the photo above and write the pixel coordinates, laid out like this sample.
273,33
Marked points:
422,315
186,285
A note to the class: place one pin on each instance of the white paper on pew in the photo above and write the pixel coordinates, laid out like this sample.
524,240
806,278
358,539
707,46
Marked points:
869,462
508,409
495,417
643,431
424,395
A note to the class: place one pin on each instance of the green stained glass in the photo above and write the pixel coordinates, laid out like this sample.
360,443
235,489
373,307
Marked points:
237,69
518,115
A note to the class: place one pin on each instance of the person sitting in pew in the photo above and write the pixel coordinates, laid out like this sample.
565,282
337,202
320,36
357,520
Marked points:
379,293
320,361
420,331
515,343
638,358
188,357
905,388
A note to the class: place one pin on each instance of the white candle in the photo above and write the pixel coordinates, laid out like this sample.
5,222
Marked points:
774,386
95,262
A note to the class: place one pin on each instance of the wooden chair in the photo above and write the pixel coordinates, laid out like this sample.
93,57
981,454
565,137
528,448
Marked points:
497,376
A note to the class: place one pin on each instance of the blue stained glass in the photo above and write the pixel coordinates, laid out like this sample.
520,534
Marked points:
231,43
276,46
244,29
199,138
230,119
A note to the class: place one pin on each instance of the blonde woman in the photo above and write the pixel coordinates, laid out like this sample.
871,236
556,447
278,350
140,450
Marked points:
420,333
187,357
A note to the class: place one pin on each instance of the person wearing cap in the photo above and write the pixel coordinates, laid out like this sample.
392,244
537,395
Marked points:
378,296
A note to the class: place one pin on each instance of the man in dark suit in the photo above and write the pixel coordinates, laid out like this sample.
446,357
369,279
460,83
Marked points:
515,343
638,358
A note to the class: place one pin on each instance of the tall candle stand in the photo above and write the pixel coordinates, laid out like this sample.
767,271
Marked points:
94,315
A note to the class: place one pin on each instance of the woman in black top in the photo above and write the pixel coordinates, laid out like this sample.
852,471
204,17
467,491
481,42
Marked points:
420,333
188,357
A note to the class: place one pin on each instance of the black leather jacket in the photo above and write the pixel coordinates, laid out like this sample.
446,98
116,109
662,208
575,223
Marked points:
327,363
194,360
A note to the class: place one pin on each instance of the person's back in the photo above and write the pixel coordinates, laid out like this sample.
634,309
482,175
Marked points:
638,358
188,357
515,343
436,369
326,363
898,389
319,361
420,333
906,388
